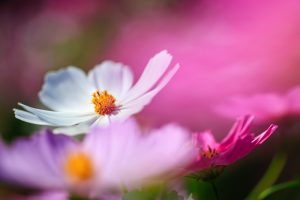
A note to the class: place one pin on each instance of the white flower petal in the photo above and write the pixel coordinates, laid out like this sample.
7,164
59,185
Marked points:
67,90
114,77
102,121
29,117
154,70
59,118
137,104
76,129
125,113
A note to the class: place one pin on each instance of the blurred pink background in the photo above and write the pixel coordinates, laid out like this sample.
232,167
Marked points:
225,48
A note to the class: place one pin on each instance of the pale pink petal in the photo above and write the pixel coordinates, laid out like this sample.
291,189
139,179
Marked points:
36,162
122,153
50,195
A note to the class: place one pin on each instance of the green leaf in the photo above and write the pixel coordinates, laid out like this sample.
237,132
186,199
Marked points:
199,189
271,175
149,193
277,188
170,195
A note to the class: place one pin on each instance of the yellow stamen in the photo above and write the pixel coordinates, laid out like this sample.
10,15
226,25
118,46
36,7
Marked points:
104,103
79,167
209,153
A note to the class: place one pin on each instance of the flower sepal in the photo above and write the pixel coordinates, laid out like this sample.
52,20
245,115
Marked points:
208,174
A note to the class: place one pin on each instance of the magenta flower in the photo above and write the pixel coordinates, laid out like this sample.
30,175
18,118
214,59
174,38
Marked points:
111,158
268,106
238,143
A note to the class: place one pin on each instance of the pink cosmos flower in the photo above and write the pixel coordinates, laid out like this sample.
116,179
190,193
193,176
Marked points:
265,106
113,158
237,144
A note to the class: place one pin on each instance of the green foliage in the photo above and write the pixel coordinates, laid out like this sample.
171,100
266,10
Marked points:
157,192
271,175
199,189
278,188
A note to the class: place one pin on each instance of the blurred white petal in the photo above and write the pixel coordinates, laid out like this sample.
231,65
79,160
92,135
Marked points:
124,153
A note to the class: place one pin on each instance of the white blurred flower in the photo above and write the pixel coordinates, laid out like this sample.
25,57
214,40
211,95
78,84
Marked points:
106,94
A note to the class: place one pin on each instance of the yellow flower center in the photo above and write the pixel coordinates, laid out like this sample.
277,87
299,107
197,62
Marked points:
79,167
209,153
104,103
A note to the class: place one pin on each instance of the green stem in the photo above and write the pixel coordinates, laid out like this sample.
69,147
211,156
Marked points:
279,187
214,187
273,172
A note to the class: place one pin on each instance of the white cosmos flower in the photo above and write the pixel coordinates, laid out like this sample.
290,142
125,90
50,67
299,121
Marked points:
105,94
